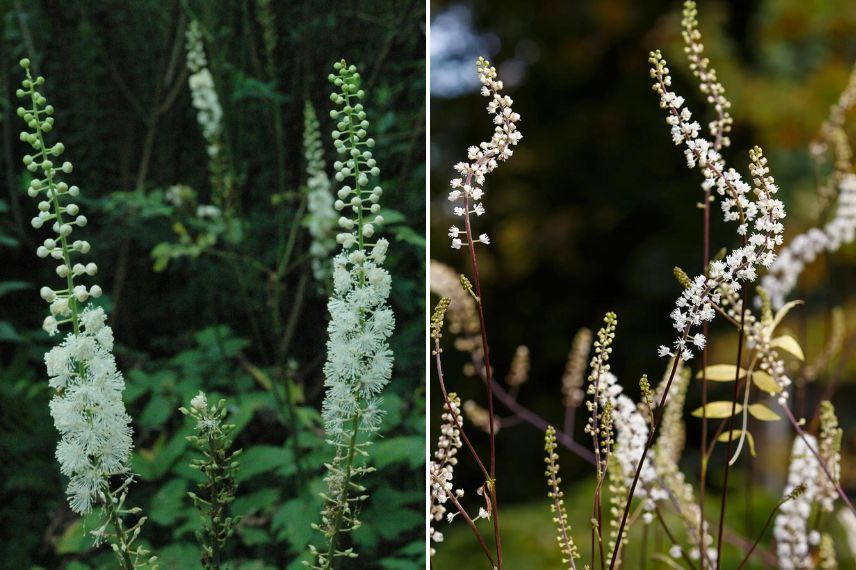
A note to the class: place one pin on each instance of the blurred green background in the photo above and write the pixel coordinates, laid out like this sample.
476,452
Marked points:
597,206
116,75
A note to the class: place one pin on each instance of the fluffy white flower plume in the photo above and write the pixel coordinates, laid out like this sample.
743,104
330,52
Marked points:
321,219
88,411
804,248
202,91
359,360
468,190
791,525
759,220
87,408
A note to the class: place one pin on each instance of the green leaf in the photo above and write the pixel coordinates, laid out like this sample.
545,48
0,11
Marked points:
168,502
718,410
765,382
262,500
75,538
291,521
721,373
404,449
262,459
735,433
179,555
780,314
763,413
156,412
789,344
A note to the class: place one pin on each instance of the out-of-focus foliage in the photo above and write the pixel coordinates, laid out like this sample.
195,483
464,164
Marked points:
211,318
597,207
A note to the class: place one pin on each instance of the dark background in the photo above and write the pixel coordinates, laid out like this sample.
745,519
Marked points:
597,206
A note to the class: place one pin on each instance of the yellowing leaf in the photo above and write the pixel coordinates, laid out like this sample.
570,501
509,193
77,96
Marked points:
763,413
765,382
718,410
780,314
735,434
789,345
721,373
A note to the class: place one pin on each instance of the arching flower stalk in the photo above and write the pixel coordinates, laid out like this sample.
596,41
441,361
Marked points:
759,228
467,192
87,406
359,361
321,219
695,305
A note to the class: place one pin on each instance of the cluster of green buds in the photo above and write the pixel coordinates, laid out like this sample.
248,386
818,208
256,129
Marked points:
217,491
351,140
55,207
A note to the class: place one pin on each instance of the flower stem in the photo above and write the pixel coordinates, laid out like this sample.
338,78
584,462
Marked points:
735,395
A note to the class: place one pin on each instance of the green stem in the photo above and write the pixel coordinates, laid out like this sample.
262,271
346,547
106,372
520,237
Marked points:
343,496
54,197
121,538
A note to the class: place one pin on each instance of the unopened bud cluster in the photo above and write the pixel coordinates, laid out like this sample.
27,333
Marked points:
56,206
358,167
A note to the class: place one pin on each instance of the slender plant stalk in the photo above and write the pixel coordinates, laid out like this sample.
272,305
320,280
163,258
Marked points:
773,512
704,330
735,396
473,527
491,482
122,552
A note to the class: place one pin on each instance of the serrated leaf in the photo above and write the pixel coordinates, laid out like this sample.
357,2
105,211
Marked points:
721,372
789,344
780,314
765,382
735,433
763,413
718,410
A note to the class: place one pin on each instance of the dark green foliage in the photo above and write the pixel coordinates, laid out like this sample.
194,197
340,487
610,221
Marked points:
212,321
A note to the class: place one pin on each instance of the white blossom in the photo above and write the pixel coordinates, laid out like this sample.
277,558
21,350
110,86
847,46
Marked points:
759,221
468,188
203,93
88,411
805,247
321,217
791,525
